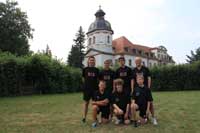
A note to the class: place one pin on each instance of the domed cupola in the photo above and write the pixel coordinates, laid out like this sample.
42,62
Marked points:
100,23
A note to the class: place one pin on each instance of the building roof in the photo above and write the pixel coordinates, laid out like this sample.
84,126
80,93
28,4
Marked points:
120,43
100,23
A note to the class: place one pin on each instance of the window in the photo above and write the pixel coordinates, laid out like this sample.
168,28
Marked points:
94,39
143,63
149,64
140,52
90,41
116,61
126,49
129,62
108,39
134,51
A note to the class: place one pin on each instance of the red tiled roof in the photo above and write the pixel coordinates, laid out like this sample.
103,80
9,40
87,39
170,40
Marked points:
122,42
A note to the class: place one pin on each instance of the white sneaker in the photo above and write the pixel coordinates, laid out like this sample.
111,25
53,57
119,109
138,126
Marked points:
154,121
117,122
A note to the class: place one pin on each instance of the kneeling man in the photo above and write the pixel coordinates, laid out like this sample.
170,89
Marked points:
140,102
100,104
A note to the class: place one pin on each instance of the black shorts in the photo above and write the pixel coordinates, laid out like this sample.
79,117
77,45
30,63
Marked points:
105,112
142,110
150,95
88,94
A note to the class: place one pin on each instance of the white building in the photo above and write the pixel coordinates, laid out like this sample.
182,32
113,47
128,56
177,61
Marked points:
101,45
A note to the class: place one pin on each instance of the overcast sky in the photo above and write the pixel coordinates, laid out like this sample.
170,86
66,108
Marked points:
172,23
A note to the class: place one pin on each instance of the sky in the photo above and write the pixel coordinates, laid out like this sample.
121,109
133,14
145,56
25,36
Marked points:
174,24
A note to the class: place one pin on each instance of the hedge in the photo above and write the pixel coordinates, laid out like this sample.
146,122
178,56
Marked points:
41,74
176,77
36,74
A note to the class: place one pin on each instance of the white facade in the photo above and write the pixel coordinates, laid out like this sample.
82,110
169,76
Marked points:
99,45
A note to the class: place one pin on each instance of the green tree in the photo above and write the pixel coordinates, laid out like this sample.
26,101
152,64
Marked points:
195,56
76,55
14,29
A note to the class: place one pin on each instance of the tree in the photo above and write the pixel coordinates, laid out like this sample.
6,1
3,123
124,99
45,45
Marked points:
14,29
195,56
76,55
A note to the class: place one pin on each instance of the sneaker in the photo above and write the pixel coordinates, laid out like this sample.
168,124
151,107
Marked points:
117,121
154,121
135,123
83,120
94,124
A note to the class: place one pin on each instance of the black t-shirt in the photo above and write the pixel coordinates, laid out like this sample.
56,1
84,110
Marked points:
90,75
126,74
98,96
143,71
121,99
141,95
108,76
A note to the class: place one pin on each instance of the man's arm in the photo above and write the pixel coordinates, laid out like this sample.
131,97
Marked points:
127,110
101,103
132,85
149,82
148,108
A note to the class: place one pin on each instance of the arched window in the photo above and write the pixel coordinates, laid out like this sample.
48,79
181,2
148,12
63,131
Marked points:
108,39
94,39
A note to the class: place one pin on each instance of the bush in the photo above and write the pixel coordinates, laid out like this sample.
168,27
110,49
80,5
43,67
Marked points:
36,74
175,78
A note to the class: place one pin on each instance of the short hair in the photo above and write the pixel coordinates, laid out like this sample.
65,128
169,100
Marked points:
140,76
91,57
118,81
121,58
107,61
102,81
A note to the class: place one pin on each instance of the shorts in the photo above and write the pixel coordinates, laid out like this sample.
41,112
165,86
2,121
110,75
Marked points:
142,110
88,94
150,95
105,112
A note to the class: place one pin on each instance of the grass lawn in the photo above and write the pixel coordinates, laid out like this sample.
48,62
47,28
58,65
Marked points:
177,112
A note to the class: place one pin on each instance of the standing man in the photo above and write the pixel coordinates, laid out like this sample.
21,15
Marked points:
108,76
125,73
90,76
141,70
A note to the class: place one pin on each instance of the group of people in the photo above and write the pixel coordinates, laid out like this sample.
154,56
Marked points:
119,93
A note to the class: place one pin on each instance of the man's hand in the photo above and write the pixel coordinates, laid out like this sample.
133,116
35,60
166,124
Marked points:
126,116
121,111
93,102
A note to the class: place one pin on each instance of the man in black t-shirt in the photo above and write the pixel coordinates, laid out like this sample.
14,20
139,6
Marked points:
121,103
108,76
141,70
125,73
100,104
90,76
140,101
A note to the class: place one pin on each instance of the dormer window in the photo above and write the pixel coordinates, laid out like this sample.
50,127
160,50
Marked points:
126,49
134,51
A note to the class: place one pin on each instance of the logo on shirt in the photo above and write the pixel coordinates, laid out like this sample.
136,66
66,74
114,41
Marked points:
106,77
137,94
123,74
98,97
91,74
116,99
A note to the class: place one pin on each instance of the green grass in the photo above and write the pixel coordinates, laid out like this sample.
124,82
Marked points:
176,112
